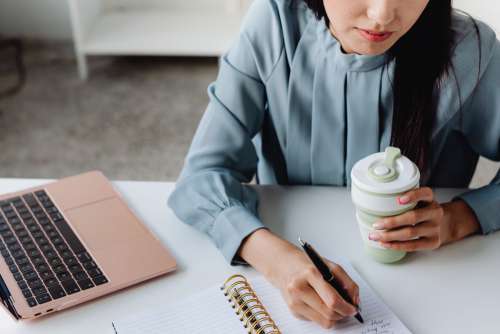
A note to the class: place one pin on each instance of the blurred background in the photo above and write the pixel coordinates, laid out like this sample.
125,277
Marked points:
119,85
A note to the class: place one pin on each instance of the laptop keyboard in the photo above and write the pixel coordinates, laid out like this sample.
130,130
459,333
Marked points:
43,253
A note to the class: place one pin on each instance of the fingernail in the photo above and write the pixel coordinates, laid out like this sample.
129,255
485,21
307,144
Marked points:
373,236
403,199
378,226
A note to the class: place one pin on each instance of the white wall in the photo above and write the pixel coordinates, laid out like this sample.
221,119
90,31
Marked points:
486,10
50,18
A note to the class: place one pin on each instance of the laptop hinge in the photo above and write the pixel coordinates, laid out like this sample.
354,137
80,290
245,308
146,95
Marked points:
7,299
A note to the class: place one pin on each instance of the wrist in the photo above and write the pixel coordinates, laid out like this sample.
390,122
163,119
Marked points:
460,219
261,248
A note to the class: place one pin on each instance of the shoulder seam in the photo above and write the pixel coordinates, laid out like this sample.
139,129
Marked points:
275,63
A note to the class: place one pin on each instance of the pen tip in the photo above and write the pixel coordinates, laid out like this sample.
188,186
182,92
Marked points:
301,242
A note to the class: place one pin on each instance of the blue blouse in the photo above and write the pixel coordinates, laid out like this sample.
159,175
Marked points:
291,108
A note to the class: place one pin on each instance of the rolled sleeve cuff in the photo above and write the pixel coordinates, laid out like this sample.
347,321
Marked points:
485,202
230,228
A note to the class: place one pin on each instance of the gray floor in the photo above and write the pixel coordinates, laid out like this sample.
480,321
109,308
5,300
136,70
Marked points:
133,119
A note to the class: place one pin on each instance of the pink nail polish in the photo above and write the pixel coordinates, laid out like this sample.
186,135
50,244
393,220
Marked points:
403,199
373,236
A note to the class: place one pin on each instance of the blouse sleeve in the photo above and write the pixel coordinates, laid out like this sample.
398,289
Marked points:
482,129
211,194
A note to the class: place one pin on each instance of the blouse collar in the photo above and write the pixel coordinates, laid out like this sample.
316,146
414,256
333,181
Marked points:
349,62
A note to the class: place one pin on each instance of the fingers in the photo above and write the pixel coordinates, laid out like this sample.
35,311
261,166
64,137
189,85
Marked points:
411,218
330,297
426,229
303,311
346,281
312,299
413,245
424,194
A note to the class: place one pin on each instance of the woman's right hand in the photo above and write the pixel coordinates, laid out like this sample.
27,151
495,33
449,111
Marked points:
305,291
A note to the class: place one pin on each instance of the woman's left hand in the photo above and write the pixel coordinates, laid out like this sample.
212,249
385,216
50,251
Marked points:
424,227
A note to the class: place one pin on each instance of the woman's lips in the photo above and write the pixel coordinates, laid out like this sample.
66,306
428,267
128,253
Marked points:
374,36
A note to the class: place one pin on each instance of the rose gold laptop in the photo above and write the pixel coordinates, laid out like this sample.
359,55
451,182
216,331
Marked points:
71,241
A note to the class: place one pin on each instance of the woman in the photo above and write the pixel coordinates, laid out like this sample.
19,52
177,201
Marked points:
312,86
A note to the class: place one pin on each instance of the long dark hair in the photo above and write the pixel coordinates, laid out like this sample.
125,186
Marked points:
422,59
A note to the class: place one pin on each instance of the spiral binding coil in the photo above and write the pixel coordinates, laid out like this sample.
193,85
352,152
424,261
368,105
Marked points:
251,312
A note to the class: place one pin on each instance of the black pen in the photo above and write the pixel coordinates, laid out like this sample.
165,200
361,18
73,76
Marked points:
327,274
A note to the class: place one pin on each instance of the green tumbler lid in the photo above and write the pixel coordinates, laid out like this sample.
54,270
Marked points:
386,172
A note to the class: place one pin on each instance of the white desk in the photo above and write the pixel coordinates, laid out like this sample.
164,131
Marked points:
453,290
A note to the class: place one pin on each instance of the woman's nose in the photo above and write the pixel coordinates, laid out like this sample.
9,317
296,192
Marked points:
383,12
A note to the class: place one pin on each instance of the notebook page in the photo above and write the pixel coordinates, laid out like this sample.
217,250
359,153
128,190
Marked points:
379,319
205,312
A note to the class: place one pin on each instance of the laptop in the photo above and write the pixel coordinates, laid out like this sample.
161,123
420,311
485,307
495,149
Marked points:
71,241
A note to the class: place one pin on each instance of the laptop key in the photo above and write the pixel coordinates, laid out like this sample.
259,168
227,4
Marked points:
57,241
40,193
63,275
55,261
38,260
26,239
7,234
27,293
70,236
39,291
35,284
31,301
29,246
57,291
26,268
42,267
90,265
10,240
33,253
85,284
50,282
61,247
13,268
46,275
22,285
43,298
42,241
98,280
9,260
18,277
46,247
17,227
75,268
44,221
51,209
47,204
81,276
29,198
70,261
14,247
22,260
84,257
38,234
30,276
70,286
59,269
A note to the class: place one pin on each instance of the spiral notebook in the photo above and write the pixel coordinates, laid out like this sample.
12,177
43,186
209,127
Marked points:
254,306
